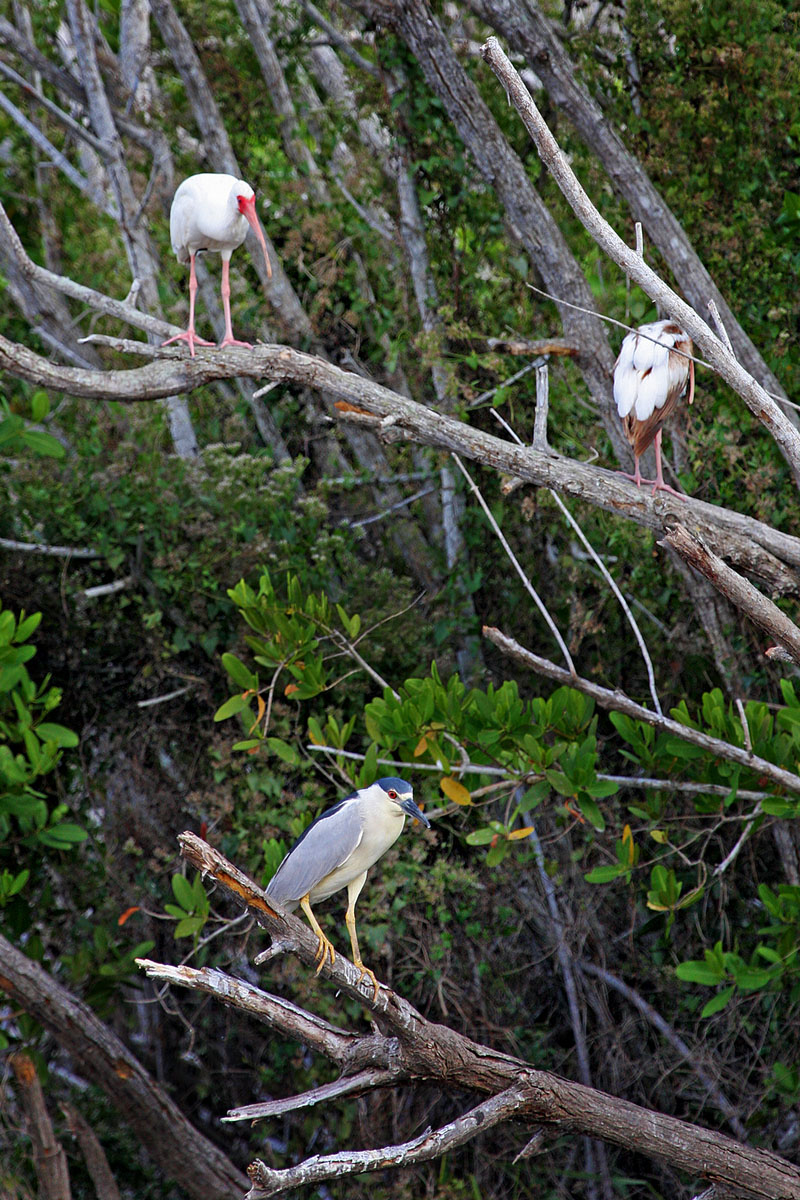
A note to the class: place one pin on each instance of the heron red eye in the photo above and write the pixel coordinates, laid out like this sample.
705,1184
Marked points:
392,794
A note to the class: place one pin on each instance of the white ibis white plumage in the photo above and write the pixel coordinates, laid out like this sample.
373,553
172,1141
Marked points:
650,376
212,212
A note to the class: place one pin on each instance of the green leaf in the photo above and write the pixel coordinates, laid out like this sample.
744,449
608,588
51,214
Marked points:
698,972
229,709
718,1002
26,626
40,405
606,874
48,731
43,443
248,744
590,810
63,836
481,837
189,926
284,751
183,892
239,673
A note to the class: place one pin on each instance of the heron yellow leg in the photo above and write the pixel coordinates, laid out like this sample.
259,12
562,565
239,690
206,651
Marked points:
325,949
350,919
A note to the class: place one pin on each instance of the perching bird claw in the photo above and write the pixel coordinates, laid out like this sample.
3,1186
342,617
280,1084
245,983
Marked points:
365,972
325,951
189,336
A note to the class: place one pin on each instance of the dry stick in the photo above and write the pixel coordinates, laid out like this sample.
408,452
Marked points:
86,295
616,701
174,1145
49,1158
758,607
530,589
345,1085
668,1033
105,1185
629,781
755,397
540,432
50,551
430,1144
565,962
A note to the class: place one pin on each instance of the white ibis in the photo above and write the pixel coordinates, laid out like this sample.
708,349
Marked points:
212,212
650,376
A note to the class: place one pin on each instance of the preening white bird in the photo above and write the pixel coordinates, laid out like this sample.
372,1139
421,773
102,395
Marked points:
337,850
650,376
212,212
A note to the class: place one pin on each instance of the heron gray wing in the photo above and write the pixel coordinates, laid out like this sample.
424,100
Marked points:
326,844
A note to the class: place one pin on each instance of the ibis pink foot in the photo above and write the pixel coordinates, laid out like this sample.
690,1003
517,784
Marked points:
189,336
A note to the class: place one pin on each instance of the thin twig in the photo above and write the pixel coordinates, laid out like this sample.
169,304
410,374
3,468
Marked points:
530,589
163,699
617,701
591,551
50,551
668,1033
717,319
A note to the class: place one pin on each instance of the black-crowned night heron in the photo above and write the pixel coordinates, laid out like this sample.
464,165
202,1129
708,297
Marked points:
337,850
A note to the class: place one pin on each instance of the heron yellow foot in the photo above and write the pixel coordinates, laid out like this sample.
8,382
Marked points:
365,971
325,951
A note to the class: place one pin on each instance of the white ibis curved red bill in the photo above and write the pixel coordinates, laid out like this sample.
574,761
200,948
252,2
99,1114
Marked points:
650,376
212,212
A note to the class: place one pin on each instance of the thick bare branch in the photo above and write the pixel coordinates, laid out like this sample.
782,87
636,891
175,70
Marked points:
430,1144
762,406
752,546
171,1141
421,1049
758,607
105,1185
49,1158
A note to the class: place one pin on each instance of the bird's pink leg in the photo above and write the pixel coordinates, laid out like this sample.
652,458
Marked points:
637,476
229,339
658,484
190,336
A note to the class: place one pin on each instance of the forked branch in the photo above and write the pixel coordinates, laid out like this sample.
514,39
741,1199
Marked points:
413,1048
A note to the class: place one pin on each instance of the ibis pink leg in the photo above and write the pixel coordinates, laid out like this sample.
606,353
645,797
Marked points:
190,336
229,339
658,484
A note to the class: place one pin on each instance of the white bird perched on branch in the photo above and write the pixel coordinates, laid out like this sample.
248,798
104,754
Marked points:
650,376
212,212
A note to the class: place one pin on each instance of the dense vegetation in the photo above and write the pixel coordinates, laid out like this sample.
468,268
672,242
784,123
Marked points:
294,586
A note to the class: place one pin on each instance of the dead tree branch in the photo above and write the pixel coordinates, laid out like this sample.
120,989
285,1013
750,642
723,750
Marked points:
762,406
419,1049
49,1158
751,546
171,1141
758,607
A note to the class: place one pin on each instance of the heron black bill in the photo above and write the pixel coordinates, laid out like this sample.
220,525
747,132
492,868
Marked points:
410,808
